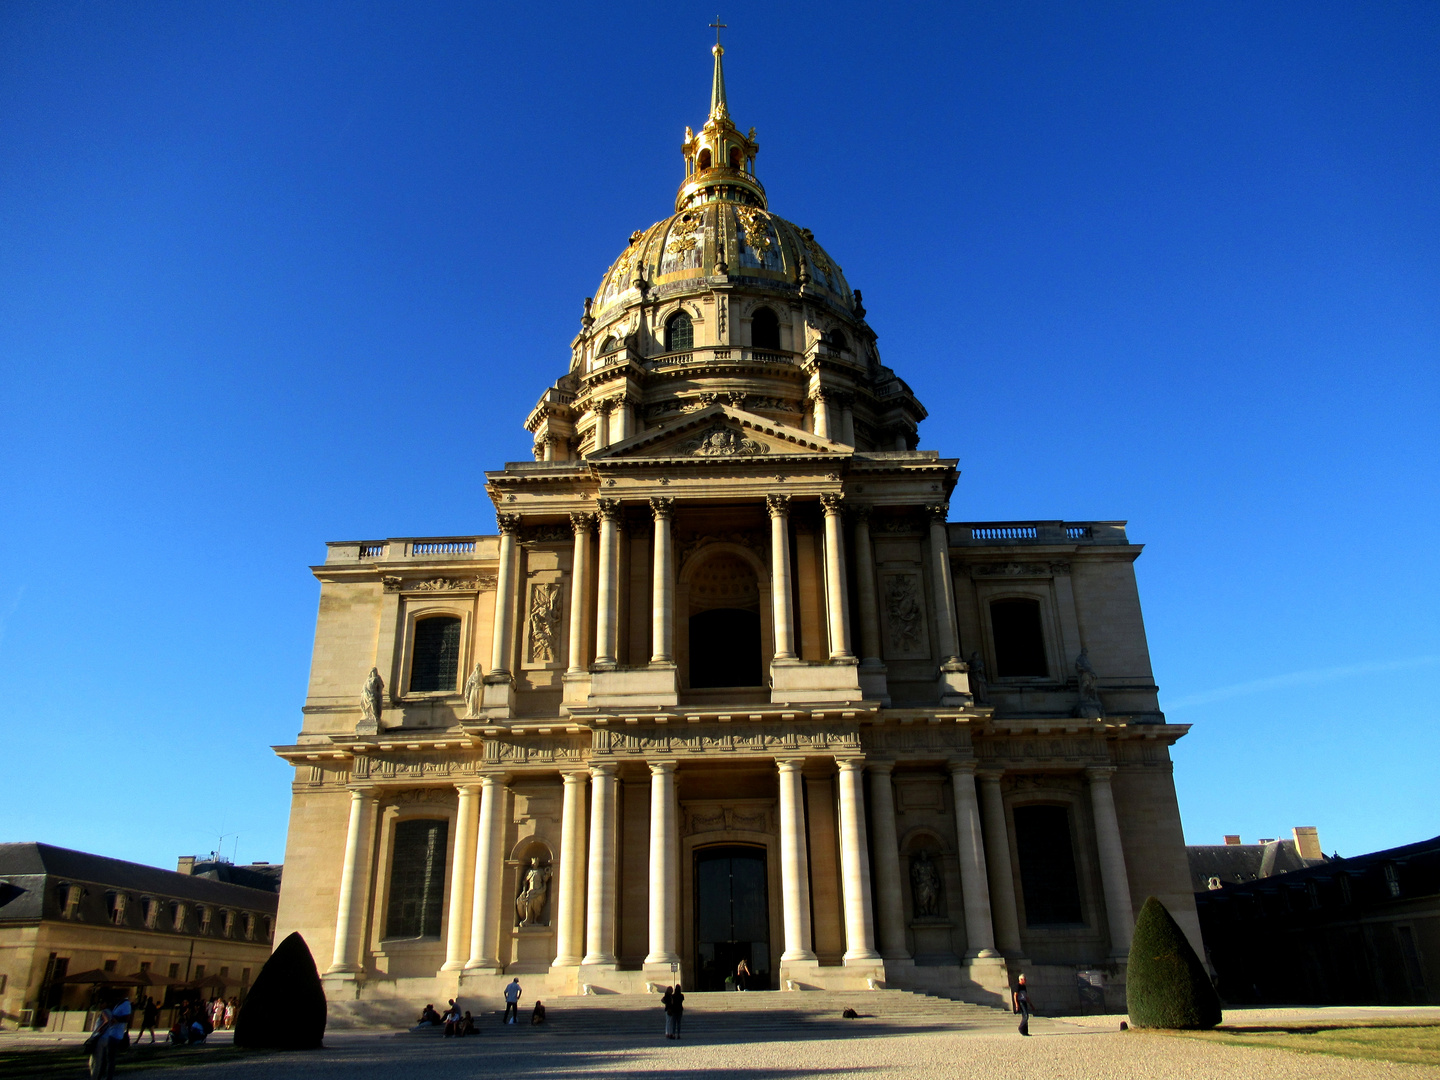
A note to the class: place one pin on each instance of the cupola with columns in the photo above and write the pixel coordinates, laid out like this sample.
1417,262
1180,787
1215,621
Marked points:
723,301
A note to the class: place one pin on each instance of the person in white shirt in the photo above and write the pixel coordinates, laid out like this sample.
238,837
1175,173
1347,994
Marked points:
512,1000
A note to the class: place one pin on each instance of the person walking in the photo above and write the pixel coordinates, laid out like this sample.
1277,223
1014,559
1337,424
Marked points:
111,1028
149,1017
742,975
1021,1003
512,1001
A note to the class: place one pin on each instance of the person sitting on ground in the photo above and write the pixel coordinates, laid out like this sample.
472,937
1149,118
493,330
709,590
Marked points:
429,1016
452,1019
466,1025
180,1030
537,1014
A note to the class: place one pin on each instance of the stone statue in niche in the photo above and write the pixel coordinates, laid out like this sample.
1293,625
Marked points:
925,885
372,703
544,622
1089,684
474,691
979,688
534,887
902,605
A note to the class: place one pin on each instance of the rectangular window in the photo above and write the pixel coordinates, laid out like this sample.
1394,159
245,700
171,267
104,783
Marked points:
1019,639
174,970
1047,866
199,971
437,654
110,965
1392,881
417,879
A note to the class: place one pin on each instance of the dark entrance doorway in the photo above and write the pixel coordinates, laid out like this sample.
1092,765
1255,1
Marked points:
732,916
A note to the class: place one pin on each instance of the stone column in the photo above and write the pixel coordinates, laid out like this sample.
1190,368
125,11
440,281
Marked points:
855,864
489,867
997,860
784,619
602,424
354,880
570,889
889,900
608,598
821,414
865,590
664,865
600,897
547,452
1113,877
794,863
662,619
847,420
504,596
462,880
979,934
579,591
836,602
949,644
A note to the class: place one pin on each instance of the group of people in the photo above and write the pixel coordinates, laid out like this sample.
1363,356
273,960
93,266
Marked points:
192,1025
674,1001
454,1022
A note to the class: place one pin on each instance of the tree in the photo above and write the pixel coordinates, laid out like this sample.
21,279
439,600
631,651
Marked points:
1166,986
286,1008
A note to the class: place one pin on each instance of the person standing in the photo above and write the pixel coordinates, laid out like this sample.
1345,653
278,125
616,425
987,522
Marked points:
667,1000
512,1001
149,1017
112,1027
677,1007
742,975
1021,1003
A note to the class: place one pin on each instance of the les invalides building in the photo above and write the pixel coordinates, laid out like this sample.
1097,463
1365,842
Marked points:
730,684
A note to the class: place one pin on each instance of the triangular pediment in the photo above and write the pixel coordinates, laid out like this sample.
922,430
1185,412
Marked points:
721,433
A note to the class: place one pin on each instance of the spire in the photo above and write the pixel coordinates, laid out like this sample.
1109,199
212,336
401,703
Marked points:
719,109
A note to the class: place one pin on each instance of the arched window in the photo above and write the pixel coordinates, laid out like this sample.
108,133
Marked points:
837,339
437,654
417,879
704,161
609,345
679,333
764,329
1047,865
1019,638
735,157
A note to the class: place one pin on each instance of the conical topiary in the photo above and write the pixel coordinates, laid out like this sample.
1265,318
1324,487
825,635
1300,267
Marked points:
285,1009
1166,985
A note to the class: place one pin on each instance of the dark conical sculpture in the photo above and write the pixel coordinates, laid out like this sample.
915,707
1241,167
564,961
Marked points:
286,1007
1166,985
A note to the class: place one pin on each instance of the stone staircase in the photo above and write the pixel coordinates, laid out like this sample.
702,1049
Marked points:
754,1015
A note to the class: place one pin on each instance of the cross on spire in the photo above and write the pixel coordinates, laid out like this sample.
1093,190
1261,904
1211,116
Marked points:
717,26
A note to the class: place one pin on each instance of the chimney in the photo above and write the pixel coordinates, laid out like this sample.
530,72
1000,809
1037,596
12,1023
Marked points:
1307,842
186,864
1232,839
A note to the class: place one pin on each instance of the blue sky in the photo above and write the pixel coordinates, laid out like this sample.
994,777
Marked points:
272,275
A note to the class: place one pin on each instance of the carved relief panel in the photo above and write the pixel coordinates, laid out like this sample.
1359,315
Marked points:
544,599
904,624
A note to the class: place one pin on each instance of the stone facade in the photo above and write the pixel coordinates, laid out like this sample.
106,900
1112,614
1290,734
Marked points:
727,618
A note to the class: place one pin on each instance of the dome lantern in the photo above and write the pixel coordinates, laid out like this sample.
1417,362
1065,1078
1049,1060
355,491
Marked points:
719,161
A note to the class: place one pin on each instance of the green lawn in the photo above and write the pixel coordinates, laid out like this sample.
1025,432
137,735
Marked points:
69,1062
1413,1043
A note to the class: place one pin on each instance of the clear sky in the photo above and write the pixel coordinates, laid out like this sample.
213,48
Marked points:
276,274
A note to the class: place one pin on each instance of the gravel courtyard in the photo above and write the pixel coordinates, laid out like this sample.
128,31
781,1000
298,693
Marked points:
1055,1050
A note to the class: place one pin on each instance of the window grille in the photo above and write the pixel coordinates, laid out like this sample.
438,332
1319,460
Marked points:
437,654
679,333
417,879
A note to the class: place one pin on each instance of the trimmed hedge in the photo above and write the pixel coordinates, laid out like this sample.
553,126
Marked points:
1166,985
286,1008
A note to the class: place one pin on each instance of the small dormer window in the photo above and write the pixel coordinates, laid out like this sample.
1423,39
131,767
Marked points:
679,333
1392,881
610,344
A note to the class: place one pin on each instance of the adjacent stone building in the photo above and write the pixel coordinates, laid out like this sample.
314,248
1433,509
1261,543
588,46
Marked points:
730,684
66,912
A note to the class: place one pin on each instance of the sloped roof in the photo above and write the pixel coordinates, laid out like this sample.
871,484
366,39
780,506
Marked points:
1239,864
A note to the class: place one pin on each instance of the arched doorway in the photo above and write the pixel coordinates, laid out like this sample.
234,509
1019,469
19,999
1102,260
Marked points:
724,624
732,915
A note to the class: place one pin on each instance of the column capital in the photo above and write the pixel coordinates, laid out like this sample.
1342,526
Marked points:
490,780
509,523
832,503
880,768
609,509
937,513
1099,773
777,505
850,764
471,788
860,514
659,768
363,791
581,521
961,767
575,776
990,776
821,394
789,764
662,506
603,406
604,768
